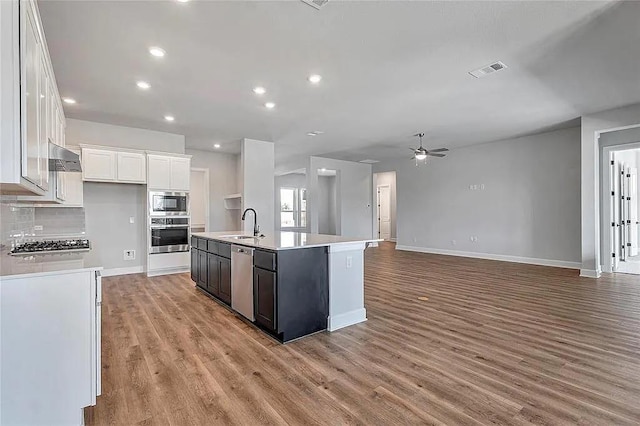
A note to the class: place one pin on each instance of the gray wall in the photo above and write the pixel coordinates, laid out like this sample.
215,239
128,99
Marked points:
529,207
327,207
223,175
258,183
386,178
89,132
108,207
354,196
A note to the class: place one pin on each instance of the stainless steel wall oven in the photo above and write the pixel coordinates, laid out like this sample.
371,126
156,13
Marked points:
169,234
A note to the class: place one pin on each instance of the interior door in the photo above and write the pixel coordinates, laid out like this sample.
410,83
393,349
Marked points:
384,212
632,173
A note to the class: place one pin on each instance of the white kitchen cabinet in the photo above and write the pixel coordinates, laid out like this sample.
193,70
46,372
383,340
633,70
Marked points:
167,172
51,336
30,70
28,103
117,165
99,165
44,127
159,172
132,167
180,174
73,190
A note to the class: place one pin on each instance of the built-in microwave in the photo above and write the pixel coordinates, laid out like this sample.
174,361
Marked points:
168,203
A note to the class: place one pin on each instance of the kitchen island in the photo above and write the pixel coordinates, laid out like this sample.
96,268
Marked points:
290,284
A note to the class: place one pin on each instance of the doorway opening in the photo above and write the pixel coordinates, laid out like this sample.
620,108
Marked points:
620,206
199,200
385,188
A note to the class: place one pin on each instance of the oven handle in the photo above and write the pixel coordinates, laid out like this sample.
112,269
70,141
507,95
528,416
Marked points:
168,226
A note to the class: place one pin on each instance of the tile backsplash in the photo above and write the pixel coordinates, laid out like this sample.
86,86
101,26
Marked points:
23,222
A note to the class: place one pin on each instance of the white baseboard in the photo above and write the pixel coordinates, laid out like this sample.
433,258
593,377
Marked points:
589,273
346,319
393,240
168,271
122,271
489,256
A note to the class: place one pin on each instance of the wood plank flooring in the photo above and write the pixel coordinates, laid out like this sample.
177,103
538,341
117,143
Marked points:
494,343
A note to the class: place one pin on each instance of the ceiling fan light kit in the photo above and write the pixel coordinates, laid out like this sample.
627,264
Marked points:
421,154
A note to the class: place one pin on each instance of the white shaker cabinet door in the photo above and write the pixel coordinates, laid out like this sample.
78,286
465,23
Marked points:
180,174
43,120
30,67
159,172
132,167
98,165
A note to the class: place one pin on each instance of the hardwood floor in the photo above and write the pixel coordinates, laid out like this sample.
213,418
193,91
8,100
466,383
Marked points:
493,343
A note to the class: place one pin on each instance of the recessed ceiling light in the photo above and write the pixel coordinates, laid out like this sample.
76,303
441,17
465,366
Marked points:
182,1
270,105
158,52
259,90
315,78
169,117
216,145
143,85
69,101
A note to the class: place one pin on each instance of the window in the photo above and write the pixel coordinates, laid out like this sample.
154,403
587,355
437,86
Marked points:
293,207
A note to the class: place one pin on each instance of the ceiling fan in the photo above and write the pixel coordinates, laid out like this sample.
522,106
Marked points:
420,153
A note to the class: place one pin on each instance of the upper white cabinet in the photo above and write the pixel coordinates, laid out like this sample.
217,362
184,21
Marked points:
31,114
99,165
180,174
169,172
105,164
159,172
132,167
30,98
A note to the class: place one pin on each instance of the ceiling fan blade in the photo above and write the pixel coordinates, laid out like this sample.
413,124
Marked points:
413,158
439,150
435,155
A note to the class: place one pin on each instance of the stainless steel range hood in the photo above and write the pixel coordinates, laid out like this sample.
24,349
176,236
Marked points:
63,160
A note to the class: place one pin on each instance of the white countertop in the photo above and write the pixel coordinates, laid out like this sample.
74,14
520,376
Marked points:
24,266
282,240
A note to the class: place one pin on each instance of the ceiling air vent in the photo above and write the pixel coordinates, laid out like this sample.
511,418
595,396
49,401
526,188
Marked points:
369,161
316,3
489,69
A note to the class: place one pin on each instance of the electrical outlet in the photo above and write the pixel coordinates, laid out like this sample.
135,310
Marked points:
349,261
482,186
129,255
454,242
132,219
415,239
38,228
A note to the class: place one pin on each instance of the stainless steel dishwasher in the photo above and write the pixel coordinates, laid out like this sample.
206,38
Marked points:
242,280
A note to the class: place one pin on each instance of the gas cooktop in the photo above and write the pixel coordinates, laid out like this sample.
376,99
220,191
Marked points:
51,246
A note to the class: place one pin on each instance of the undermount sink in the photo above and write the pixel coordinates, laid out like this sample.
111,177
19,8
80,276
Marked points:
240,237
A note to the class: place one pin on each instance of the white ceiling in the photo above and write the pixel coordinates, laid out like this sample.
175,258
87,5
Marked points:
389,69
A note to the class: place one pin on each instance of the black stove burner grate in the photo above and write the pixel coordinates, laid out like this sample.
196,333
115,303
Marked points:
51,246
